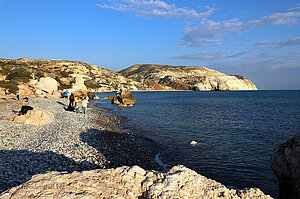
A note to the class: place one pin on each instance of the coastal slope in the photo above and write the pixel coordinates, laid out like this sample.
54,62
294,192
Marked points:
22,73
167,77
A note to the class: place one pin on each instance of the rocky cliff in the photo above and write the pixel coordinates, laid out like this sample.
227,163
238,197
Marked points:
137,77
168,77
127,182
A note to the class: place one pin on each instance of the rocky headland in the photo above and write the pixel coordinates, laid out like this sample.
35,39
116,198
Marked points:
166,77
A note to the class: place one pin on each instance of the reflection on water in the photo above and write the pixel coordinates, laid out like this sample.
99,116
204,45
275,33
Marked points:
236,131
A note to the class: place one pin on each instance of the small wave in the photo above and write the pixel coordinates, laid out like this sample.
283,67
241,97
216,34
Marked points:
160,163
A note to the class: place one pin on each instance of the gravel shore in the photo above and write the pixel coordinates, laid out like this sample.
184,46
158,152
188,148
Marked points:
70,143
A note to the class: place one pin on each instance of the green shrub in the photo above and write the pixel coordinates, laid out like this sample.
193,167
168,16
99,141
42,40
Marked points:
11,85
19,75
91,84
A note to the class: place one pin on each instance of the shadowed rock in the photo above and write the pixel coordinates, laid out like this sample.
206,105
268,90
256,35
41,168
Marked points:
285,163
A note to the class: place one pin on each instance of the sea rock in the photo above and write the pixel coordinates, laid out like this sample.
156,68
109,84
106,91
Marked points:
125,98
47,84
127,182
36,116
285,163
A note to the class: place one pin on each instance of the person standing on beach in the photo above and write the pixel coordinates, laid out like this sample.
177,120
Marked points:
71,100
6,94
18,94
84,104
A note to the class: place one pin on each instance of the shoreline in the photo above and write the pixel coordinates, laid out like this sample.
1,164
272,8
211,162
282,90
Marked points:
69,143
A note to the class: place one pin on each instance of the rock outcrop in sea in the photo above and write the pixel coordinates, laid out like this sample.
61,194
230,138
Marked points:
125,98
285,163
127,182
166,77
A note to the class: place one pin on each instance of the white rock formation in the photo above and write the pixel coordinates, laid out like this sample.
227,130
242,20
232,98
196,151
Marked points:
127,182
47,84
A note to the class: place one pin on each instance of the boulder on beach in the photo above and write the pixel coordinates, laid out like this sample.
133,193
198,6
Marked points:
285,163
125,98
128,182
47,84
36,116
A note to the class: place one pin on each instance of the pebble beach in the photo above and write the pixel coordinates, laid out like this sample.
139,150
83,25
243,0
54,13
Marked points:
70,143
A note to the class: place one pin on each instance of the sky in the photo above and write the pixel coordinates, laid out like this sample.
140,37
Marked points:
259,39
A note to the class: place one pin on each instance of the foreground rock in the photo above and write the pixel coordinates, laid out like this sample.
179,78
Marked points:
285,163
127,182
36,116
125,98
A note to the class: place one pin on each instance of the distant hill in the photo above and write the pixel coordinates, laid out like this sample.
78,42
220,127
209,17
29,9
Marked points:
137,77
168,77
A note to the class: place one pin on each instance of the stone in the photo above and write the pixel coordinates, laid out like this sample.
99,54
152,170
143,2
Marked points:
125,98
47,84
25,89
127,182
79,84
37,116
285,163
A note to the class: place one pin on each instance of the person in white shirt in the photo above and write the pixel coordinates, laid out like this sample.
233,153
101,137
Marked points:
84,104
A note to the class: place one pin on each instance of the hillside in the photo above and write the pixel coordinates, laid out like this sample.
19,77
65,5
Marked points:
21,71
168,77
138,77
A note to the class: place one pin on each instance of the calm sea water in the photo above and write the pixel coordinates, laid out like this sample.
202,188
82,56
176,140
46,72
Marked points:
236,131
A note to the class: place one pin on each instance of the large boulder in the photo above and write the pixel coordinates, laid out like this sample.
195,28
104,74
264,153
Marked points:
79,85
127,182
125,98
47,84
285,163
36,116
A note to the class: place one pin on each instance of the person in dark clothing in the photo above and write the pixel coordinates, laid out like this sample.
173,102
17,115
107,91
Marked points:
25,106
71,99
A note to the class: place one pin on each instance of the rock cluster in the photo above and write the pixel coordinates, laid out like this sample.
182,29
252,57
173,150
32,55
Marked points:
285,163
127,182
124,98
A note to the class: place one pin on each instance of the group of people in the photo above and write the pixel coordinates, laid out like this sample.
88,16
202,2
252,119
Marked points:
7,93
74,104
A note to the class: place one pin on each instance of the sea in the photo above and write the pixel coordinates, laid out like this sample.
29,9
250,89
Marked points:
235,131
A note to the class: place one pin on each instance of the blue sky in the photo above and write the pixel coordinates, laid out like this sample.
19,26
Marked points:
259,39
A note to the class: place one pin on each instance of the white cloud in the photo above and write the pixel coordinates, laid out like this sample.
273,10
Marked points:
209,32
277,44
150,8
204,55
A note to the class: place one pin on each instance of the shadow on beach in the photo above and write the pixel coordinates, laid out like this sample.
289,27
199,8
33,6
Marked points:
18,166
122,148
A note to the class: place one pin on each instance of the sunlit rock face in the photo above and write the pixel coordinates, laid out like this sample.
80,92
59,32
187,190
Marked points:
187,78
127,182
